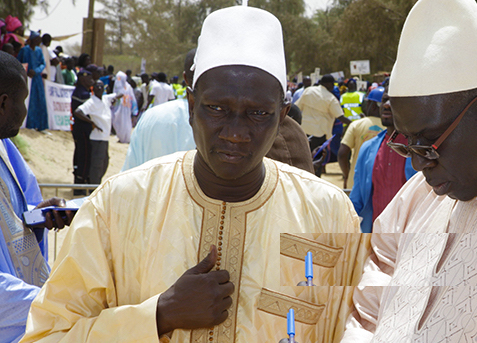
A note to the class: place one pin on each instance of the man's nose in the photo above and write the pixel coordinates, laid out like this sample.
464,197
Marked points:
420,163
236,130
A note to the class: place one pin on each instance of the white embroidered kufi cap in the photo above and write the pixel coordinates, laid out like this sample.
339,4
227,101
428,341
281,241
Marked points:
241,35
438,49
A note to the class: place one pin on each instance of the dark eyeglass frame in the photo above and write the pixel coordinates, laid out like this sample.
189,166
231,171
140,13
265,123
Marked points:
426,151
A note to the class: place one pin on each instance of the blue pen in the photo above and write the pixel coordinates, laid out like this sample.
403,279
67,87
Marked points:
291,326
309,269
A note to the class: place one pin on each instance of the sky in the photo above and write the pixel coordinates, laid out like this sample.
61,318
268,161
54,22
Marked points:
64,18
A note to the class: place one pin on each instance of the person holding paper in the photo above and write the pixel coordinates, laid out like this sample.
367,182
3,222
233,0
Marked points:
23,252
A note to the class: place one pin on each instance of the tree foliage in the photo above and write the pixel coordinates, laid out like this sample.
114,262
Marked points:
370,30
23,9
162,31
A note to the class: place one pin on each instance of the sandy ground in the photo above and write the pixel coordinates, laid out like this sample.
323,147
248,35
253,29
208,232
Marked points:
50,156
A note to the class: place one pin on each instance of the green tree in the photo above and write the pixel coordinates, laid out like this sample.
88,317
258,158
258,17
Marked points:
23,9
370,29
116,11
162,31
359,30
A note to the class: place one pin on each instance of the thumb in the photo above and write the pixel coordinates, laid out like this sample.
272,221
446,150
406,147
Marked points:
206,264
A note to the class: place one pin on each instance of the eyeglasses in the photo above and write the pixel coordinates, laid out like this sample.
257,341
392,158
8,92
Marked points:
426,151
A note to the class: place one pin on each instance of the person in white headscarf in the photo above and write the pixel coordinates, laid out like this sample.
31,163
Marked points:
186,247
425,249
124,109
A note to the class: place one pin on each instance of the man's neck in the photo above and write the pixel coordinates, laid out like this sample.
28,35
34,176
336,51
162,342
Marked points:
390,130
236,190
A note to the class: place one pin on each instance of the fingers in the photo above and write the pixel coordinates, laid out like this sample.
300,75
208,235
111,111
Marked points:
55,201
221,276
222,317
206,264
69,217
199,298
59,223
227,303
58,219
48,221
228,288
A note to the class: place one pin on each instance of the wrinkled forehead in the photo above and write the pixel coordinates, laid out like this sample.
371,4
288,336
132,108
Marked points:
415,115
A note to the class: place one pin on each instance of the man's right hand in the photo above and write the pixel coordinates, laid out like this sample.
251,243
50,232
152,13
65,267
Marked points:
198,299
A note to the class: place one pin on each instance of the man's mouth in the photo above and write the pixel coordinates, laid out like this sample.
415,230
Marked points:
230,156
440,188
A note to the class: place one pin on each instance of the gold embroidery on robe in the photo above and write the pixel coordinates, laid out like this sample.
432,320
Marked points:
297,247
224,225
279,304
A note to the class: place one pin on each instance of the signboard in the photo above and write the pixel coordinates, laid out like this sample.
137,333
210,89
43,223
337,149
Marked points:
361,86
314,78
338,75
299,77
143,66
58,103
360,67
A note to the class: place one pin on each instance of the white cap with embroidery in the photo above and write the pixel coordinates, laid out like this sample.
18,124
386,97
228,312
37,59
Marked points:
241,35
437,50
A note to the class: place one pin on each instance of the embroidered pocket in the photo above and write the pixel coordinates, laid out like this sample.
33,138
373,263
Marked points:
278,304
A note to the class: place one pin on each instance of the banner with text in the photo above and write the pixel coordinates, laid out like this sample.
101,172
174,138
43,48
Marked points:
58,103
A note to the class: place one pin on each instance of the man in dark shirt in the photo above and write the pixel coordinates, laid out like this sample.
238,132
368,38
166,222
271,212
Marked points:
81,130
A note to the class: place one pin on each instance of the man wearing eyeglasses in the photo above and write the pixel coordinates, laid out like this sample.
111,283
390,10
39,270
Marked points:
427,243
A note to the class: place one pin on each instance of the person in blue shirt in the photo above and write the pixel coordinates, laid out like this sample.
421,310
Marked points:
23,251
363,189
299,92
33,55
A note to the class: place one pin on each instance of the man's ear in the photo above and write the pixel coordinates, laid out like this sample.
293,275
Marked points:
184,76
191,101
3,103
284,111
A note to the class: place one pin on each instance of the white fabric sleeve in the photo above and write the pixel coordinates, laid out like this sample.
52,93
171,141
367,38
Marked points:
171,94
335,108
86,107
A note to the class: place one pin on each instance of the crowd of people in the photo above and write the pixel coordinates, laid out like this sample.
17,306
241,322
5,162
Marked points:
132,96
125,99
203,236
